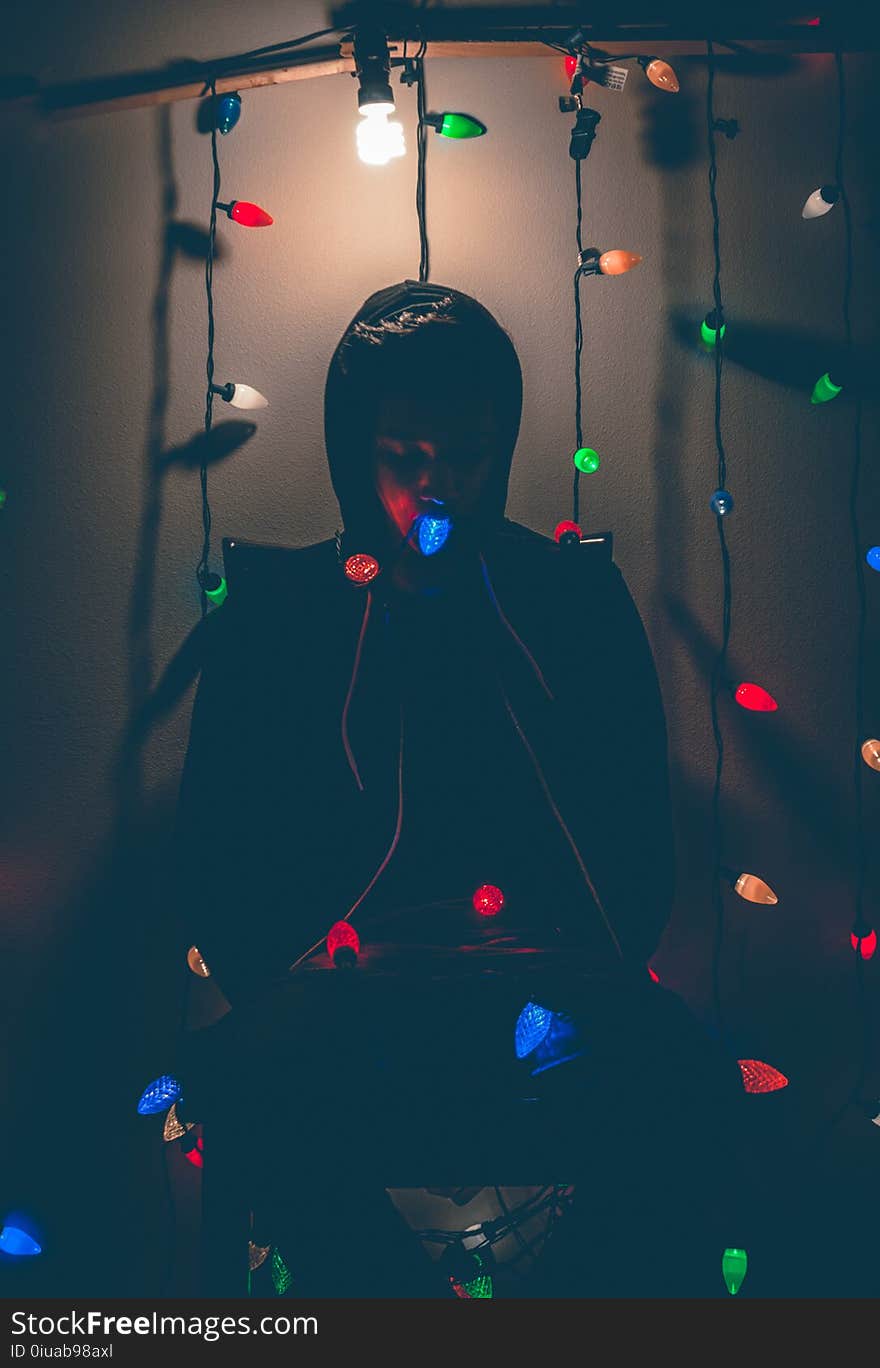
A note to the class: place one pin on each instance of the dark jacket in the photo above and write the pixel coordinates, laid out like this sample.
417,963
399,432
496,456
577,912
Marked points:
520,708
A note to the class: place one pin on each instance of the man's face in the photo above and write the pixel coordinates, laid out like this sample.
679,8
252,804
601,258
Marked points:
433,454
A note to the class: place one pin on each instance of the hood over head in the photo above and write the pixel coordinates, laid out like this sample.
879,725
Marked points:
403,335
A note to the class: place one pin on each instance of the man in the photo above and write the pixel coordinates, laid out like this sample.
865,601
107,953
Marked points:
447,730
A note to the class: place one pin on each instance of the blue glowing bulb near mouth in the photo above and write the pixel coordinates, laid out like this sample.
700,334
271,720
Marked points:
433,533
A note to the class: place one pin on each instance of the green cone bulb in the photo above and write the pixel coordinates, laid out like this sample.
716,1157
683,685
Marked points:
708,333
282,1280
734,1263
824,389
460,126
218,593
586,459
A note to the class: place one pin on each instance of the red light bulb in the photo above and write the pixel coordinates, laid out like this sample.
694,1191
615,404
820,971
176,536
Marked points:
196,1154
570,66
247,214
761,1078
864,945
343,943
488,900
361,568
756,699
654,977
568,530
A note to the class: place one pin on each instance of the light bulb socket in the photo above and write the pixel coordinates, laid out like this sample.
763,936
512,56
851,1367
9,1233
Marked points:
227,208
209,581
583,133
372,67
588,261
344,957
829,193
225,391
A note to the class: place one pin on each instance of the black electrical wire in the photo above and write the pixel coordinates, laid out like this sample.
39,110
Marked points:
277,47
202,569
855,480
719,670
421,142
578,347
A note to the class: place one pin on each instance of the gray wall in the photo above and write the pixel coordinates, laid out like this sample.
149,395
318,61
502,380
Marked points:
105,376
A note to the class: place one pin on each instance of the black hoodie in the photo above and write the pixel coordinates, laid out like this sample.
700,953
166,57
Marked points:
354,753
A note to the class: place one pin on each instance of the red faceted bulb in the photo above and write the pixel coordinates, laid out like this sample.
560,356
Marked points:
570,66
488,900
654,977
361,568
756,699
566,526
342,936
761,1078
250,215
864,945
196,1154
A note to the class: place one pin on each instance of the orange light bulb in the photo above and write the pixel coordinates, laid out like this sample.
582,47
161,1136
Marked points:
617,262
871,754
661,75
755,890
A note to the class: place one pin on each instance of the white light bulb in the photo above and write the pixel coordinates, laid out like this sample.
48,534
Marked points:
246,397
820,201
378,140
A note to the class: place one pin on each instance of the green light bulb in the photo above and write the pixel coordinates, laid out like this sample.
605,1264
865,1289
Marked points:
215,589
586,459
734,1263
282,1279
824,389
709,330
460,126
2,498
480,1286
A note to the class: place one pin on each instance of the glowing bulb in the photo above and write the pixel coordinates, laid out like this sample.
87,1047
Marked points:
247,214
531,1028
721,503
873,557
871,754
195,1154
240,396
158,1095
215,589
377,139
343,944
488,900
759,1077
586,460
756,699
18,1242
361,568
617,262
570,66
661,75
753,889
228,111
282,1279
824,390
433,533
865,943
449,125
820,201
196,963
257,1255
734,1263
2,498
567,533
174,1128
709,329
655,978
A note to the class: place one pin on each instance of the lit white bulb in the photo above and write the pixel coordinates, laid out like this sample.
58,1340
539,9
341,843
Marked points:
378,140
246,397
820,201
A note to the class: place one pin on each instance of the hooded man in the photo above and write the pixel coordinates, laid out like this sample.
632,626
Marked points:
446,730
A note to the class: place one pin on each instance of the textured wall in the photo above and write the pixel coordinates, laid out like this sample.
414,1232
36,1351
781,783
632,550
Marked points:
101,533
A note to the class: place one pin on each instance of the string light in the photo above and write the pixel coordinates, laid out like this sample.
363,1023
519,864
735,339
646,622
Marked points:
721,503
433,533
659,73
174,1128
873,557
18,1242
449,125
228,111
215,590
282,1278
825,389
195,1153
820,201
158,1095
378,140
615,262
750,887
871,749
361,568
240,396
709,329
488,900
343,944
734,1263
864,941
531,1028
247,214
196,963
567,533
754,698
586,459
759,1077
257,1255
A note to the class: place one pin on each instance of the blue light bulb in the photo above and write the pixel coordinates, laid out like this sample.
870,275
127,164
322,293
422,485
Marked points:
228,111
532,1026
15,1241
873,557
432,533
721,502
159,1095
